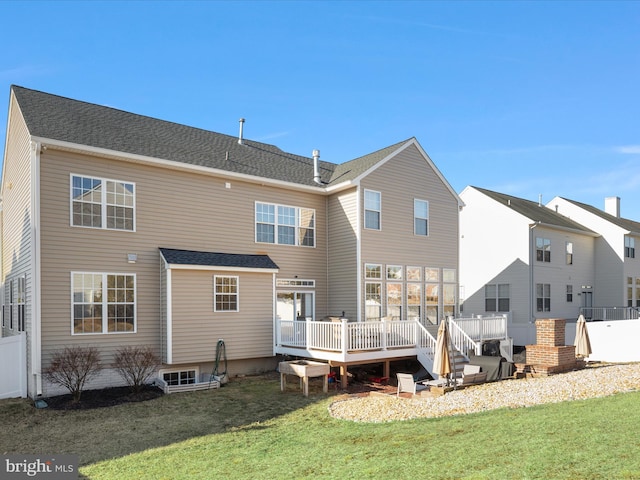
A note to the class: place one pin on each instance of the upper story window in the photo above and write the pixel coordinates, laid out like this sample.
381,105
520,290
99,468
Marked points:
102,203
103,303
225,294
421,217
569,249
629,247
285,225
543,249
372,209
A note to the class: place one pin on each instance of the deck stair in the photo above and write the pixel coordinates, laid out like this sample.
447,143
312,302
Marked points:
427,350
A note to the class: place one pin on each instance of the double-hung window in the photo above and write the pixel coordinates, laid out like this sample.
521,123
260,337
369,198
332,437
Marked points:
373,291
569,253
102,203
284,225
225,293
420,217
543,297
372,210
103,303
629,247
496,297
543,249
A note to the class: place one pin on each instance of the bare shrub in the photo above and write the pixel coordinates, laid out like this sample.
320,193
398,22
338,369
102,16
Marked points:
136,365
72,367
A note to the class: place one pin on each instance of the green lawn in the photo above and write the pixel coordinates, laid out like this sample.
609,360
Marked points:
249,429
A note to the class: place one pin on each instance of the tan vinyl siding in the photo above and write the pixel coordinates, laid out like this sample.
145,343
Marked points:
174,209
401,180
247,333
17,212
343,267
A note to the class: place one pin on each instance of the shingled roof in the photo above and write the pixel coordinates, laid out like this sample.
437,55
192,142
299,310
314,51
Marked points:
63,119
212,259
534,211
624,223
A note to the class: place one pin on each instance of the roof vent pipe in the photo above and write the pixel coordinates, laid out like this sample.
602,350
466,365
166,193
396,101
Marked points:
240,135
316,167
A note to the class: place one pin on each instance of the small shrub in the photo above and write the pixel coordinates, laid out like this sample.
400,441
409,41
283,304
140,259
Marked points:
136,365
72,367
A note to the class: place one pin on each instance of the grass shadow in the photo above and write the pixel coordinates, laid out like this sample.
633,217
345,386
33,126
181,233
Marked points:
111,432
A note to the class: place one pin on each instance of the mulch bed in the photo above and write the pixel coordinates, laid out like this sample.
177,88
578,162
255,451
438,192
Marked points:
106,397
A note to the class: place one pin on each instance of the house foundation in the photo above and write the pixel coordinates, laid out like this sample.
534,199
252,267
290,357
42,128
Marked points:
549,355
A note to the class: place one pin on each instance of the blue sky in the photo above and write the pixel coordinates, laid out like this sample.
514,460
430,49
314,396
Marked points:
525,98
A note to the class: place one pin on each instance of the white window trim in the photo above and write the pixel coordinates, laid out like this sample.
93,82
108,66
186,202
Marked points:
421,218
103,202
296,227
364,202
379,265
162,372
237,294
295,282
105,303
419,269
393,279
402,298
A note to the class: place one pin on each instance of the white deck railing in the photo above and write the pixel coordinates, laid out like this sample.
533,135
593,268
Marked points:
610,313
462,341
347,341
344,336
480,328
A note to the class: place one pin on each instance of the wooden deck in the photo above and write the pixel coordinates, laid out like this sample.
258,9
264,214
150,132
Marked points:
342,343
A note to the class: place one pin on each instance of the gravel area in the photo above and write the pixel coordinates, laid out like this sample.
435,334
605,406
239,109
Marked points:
593,381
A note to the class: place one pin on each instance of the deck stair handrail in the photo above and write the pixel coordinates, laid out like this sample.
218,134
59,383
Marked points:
425,346
463,341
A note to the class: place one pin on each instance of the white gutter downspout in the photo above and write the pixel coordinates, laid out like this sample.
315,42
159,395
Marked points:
276,325
532,292
359,255
169,294
36,297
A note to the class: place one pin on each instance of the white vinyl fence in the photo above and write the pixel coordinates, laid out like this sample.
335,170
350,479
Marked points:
13,364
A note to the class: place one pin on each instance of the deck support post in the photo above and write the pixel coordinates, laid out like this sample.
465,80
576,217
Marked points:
344,381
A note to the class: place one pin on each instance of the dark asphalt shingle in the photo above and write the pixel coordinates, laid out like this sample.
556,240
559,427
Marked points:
213,259
534,211
59,118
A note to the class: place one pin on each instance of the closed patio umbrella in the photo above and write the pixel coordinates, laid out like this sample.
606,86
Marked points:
441,359
582,343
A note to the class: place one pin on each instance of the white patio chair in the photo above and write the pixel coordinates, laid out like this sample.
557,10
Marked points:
406,384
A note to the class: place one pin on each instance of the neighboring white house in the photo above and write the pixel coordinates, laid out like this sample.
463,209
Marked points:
523,259
617,282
